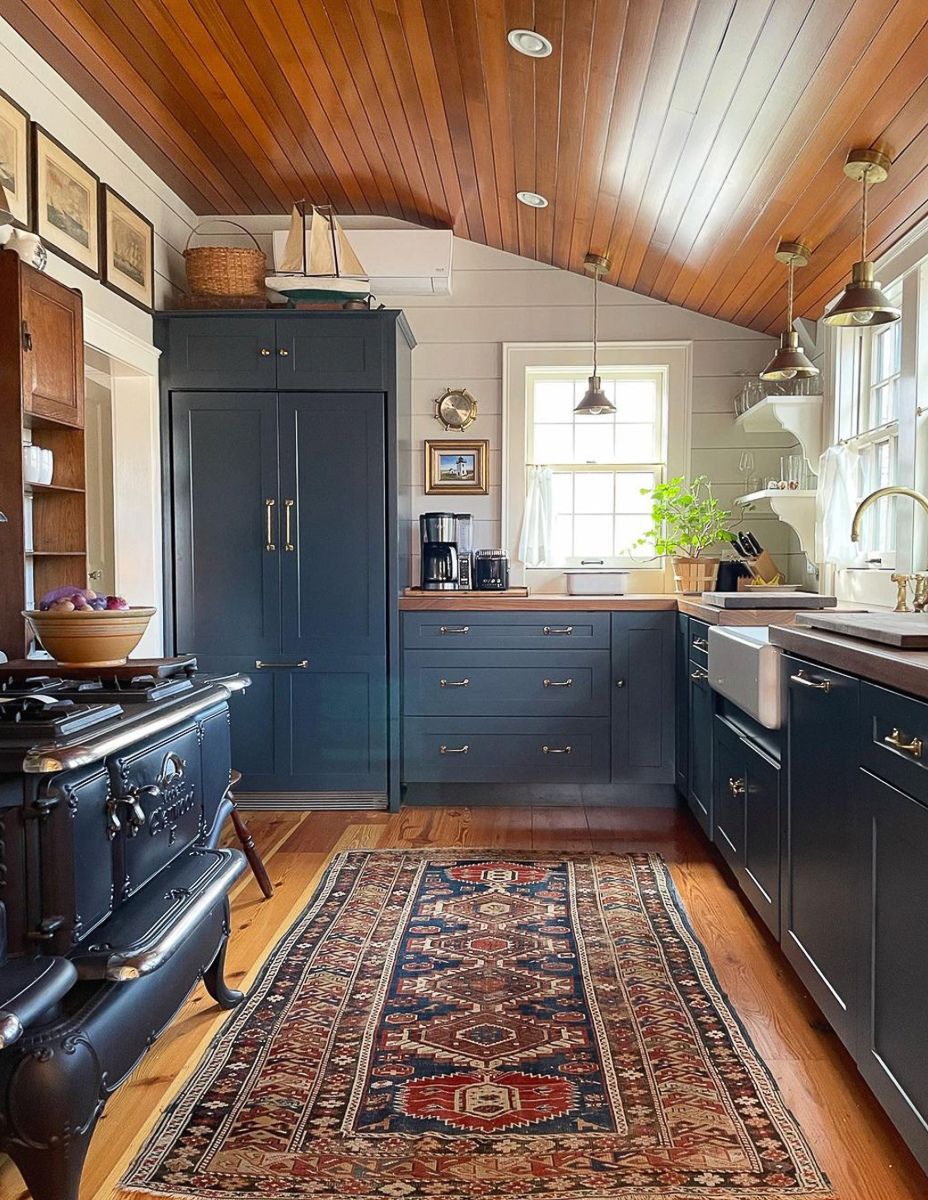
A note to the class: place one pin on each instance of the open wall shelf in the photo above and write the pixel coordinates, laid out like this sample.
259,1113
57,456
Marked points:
795,508
799,415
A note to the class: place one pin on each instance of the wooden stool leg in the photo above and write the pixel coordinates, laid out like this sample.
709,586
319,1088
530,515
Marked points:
255,861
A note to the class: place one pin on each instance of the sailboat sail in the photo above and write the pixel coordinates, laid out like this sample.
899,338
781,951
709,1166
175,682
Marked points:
292,257
325,270
348,262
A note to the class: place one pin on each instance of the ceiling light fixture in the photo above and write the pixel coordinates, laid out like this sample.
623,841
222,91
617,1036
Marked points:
532,199
863,302
595,403
527,41
790,362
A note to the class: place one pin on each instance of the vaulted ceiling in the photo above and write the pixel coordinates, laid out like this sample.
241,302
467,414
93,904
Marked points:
682,138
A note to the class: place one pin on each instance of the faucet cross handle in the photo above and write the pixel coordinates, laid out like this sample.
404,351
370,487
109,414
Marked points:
920,603
901,582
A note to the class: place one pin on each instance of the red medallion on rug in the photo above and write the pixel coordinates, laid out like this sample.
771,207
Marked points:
452,1025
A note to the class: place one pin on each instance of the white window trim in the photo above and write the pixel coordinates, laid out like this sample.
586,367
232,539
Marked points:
676,358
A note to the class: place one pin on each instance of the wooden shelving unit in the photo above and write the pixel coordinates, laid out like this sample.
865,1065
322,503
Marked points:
42,400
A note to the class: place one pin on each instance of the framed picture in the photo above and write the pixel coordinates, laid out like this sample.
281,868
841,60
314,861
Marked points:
15,155
128,245
457,468
66,203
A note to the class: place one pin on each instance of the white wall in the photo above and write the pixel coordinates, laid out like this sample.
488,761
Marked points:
55,105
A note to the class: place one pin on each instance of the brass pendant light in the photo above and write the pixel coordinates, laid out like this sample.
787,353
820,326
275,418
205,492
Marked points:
595,402
790,362
863,302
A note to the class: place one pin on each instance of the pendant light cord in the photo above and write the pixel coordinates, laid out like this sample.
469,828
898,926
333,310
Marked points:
789,305
595,317
863,215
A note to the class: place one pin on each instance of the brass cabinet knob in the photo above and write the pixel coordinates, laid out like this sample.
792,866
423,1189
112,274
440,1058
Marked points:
620,683
283,353
265,353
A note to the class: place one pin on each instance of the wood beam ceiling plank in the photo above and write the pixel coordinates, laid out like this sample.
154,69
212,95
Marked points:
494,55
520,99
550,18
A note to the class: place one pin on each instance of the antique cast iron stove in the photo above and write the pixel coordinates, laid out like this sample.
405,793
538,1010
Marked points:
113,894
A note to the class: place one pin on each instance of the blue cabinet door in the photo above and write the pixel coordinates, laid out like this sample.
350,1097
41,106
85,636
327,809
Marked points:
682,705
700,747
333,352
820,878
643,697
226,524
222,352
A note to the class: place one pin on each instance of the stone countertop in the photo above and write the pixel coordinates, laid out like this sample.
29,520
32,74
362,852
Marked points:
902,670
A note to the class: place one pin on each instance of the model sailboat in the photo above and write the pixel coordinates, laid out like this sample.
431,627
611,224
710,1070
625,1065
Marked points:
326,271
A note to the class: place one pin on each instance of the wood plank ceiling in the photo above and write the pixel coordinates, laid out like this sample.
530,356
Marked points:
682,138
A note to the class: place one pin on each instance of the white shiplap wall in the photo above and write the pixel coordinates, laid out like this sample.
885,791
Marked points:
501,298
55,105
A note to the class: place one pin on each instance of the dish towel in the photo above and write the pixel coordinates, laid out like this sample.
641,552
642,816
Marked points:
835,504
537,539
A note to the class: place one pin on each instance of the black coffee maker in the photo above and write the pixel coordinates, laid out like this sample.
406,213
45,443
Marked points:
440,559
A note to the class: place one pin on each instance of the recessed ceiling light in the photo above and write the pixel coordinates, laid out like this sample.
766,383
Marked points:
532,199
527,41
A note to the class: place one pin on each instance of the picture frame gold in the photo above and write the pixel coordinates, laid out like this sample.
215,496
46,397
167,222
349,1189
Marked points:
457,468
65,203
127,243
16,160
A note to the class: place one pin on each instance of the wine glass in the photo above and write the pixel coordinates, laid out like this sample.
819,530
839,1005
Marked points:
746,466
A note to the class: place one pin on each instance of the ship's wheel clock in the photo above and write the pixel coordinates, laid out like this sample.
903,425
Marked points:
455,409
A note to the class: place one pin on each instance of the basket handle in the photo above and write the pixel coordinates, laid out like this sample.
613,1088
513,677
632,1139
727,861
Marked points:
223,221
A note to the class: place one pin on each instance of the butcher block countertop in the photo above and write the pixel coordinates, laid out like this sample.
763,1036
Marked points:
902,670
559,602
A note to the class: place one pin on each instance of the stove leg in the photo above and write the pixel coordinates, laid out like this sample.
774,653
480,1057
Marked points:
214,977
53,1171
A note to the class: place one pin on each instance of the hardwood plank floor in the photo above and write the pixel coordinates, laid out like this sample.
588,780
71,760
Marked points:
854,1141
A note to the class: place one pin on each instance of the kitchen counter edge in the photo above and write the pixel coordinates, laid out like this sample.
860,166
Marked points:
558,602
902,670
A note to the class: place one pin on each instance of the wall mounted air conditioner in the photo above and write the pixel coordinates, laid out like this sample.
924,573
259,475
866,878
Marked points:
400,262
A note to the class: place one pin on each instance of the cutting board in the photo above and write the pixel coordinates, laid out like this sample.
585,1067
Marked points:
908,631
760,599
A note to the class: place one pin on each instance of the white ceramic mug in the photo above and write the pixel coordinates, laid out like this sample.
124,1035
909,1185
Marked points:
46,465
32,464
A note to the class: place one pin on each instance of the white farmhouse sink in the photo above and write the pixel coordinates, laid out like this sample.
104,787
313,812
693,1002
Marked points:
745,668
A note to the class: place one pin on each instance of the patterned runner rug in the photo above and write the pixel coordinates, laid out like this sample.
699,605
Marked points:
459,1024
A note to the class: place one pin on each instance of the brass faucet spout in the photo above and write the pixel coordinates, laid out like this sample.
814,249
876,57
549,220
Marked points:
878,495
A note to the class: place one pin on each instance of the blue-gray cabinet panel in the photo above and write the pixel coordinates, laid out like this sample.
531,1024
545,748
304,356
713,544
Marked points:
701,740
333,566
341,351
892,1050
682,704
643,697
894,738
820,877
222,352
506,630
514,750
253,717
698,638
226,572
522,683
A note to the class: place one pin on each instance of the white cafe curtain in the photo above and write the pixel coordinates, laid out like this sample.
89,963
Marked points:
836,502
537,539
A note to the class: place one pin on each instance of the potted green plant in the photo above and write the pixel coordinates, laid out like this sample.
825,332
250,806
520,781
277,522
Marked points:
687,521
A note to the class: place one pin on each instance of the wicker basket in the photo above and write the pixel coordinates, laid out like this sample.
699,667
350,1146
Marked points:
695,574
225,270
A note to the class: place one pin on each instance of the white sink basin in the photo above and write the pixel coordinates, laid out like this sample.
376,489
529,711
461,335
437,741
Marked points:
745,668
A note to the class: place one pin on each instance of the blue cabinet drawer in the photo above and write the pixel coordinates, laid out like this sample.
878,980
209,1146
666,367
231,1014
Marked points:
506,630
699,643
521,683
894,739
526,750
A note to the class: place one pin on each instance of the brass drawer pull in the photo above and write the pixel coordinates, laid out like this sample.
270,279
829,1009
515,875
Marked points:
444,630
268,509
288,509
449,750
302,664
554,683
554,750
701,643
822,685
697,675
564,630
895,740
737,787
452,683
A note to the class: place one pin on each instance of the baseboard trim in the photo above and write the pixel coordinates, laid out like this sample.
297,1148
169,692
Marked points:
606,795
311,801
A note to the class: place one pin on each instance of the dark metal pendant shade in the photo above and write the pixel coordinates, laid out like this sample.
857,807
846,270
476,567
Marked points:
595,402
789,362
863,302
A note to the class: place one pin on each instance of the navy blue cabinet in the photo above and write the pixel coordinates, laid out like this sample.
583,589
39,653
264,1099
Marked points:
820,876
287,553
643,697
700,727
682,705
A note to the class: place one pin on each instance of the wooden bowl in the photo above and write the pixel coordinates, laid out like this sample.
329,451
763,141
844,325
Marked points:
90,639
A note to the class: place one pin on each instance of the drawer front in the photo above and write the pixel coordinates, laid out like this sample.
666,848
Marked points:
894,739
481,750
699,643
506,630
524,683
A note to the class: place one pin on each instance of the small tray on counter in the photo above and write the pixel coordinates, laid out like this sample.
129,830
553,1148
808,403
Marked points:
758,598
907,631
521,592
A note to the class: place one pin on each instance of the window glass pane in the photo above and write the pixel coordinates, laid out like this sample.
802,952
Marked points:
554,400
553,443
636,400
627,531
628,497
635,443
594,492
563,538
593,535
593,440
563,491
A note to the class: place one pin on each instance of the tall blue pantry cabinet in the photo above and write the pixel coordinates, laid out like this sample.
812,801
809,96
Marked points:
286,459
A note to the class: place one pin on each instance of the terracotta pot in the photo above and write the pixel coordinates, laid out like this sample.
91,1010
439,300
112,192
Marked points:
692,575
90,639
